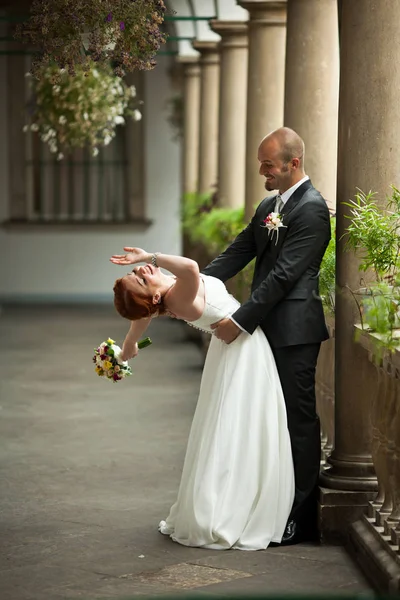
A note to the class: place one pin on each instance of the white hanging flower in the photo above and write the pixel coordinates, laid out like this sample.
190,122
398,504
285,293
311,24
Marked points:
28,74
25,128
103,102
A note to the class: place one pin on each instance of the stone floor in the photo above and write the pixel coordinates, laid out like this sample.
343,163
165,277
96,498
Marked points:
88,468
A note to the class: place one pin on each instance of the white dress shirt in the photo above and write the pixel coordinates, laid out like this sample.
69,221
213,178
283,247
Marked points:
285,197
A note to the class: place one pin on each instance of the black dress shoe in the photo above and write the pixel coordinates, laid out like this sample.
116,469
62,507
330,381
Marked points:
293,534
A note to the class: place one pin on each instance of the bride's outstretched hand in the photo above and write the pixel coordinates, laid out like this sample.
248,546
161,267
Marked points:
132,256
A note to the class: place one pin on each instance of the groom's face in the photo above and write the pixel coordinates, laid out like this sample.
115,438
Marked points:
277,173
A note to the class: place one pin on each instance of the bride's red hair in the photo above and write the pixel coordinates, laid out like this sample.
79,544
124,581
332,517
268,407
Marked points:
132,306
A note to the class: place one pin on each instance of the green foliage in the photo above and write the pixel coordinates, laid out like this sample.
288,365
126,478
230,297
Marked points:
193,209
220,226
216,228
375,233
327,275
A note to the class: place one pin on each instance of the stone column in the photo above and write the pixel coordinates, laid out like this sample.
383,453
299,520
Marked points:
368,144
209,109
191,115
312,87
265,87
232,111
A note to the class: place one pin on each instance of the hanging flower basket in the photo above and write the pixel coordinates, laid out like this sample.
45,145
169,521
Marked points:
124,32
82,110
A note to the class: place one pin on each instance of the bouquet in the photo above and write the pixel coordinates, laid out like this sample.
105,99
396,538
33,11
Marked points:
108,364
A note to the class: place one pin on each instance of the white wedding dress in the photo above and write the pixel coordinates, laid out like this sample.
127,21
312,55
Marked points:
237,485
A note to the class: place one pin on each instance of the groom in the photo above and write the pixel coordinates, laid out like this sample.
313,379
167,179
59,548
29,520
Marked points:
285,303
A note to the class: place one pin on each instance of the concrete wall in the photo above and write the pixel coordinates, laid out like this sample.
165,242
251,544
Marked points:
71,265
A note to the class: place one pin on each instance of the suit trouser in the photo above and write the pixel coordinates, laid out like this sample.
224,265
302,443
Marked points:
296,367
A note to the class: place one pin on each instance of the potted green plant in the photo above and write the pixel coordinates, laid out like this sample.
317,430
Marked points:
375,233
125,33
82,110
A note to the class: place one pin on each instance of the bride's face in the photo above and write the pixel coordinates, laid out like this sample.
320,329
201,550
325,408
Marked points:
145,280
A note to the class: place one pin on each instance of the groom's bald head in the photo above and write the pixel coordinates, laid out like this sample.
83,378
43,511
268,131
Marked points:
288,143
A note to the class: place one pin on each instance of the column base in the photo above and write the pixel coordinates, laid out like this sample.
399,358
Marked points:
350,475
377,557
337,509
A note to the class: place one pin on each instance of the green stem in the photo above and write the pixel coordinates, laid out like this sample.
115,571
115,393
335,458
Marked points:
143,343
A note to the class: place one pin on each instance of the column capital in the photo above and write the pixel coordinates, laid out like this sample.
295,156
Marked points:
209,51
266,12
188,59
190,65
234,34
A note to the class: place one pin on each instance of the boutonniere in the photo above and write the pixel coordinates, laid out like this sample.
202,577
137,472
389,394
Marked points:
273,222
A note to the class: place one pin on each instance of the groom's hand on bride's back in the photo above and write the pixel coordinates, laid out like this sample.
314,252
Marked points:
226,330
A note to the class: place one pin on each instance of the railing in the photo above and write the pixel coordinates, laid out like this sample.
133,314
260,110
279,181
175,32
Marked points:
383,518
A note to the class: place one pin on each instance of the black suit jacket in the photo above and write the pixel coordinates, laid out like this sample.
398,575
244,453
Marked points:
284,299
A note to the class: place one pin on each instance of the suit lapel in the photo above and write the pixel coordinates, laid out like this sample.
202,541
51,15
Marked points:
286,210
295,197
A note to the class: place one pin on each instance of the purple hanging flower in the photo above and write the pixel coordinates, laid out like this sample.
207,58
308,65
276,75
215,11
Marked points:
122,26
109,17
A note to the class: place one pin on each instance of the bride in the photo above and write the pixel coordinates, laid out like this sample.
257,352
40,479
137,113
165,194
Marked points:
237,485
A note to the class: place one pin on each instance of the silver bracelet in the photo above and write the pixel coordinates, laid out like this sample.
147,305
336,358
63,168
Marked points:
154,259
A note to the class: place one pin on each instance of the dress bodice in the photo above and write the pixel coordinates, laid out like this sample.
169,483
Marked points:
218,304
